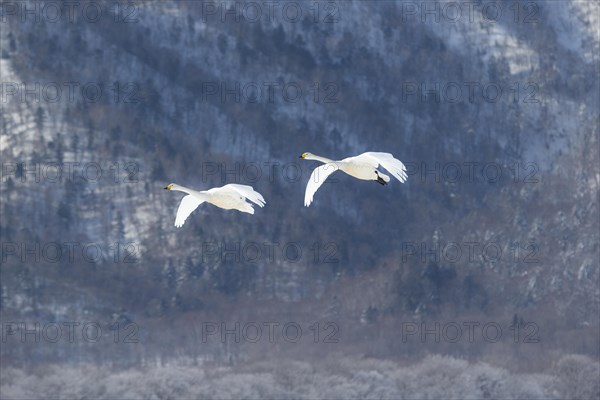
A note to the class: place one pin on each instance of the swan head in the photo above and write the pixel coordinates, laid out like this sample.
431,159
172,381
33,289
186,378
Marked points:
306,155
169,186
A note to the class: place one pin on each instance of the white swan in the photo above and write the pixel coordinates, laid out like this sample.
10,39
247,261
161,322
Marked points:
229,197
363,166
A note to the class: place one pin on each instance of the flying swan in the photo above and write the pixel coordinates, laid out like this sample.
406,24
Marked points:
228,197
363,166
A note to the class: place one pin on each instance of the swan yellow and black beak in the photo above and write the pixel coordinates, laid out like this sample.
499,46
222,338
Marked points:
303,155
168,187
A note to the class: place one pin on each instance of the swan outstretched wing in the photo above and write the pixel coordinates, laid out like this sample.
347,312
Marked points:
188,204
387,161
318,176
248,192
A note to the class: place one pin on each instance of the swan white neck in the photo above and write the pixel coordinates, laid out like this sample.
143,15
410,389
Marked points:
183,189
180,188
318,158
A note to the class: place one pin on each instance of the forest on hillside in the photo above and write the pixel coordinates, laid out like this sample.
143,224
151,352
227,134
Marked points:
495,116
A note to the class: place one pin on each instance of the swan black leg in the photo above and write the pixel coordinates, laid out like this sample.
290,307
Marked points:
380,179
